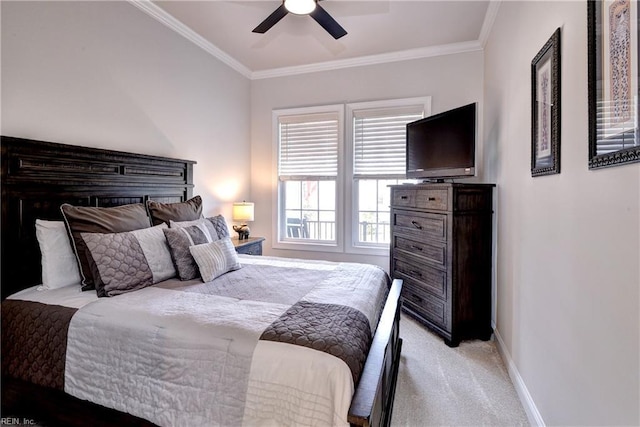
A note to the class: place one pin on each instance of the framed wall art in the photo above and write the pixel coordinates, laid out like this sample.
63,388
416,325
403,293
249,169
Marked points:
545,108
612,27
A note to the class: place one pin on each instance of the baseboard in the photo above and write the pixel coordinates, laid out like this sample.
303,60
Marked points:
535,419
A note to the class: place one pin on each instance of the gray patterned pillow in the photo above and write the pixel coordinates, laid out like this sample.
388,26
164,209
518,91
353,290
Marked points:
179,240
215,258
125,262
205,225
89,219
215,223
220,224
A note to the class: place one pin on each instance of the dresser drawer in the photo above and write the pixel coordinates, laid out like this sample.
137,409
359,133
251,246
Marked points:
404,198
431,308
419,225
433,251
422,276
436,199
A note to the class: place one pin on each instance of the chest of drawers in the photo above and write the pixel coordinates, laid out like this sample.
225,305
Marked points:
441,248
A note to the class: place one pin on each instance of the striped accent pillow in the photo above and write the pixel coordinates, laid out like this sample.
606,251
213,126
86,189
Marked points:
179,241
215,258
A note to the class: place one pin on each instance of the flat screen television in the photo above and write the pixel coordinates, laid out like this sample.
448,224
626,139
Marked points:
443,145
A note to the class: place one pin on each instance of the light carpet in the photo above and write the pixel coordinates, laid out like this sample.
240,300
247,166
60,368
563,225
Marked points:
442,386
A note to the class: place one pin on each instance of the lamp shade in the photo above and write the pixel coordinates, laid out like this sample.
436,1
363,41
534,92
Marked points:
243,211
300,7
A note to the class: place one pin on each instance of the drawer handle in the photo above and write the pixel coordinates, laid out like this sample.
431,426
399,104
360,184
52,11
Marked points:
418,248
431,199
416,273
416,297
404,197
416,225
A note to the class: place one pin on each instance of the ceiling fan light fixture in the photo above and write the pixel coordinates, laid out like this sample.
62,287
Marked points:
300,7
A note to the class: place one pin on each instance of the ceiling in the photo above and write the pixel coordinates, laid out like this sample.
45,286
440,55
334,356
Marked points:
378,31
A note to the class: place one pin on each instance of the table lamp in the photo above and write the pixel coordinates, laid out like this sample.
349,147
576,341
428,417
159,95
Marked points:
242,212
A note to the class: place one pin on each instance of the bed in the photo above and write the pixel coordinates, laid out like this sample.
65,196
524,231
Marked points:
38,177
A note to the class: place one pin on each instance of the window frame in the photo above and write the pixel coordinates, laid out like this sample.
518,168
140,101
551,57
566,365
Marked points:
280,241
347,214
351,219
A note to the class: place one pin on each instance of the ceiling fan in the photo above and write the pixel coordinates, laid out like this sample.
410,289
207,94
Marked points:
302,7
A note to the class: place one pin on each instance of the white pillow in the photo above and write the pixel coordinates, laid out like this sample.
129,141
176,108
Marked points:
59,264
215,258
156,250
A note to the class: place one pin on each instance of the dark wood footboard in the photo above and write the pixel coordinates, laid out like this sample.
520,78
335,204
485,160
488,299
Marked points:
372,403
36,405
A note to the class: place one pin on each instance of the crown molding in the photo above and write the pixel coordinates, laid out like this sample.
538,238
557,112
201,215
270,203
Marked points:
163,17
148,7
489,19
403,55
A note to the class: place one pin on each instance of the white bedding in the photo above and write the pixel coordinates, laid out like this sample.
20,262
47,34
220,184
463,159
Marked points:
189,365
180,352
67,296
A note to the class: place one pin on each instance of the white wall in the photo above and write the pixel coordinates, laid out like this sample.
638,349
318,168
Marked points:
568,274
451,81
104,74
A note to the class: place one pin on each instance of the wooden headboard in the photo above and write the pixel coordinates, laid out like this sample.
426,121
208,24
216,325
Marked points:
37,177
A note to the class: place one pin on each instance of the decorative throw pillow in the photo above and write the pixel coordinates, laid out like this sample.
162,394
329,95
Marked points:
203,223
183,211
83,219
125,262
59,265
215,259
218,223
179,240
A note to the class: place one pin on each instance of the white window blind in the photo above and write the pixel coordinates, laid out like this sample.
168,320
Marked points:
379,141
308,146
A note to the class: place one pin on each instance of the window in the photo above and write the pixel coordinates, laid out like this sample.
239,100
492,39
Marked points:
378,141
309,143
373,223
332,197
310,209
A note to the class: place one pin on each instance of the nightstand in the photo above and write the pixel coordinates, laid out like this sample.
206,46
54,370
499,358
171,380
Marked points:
250,246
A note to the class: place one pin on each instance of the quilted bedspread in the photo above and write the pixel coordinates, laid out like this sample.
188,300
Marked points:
278,341
34,341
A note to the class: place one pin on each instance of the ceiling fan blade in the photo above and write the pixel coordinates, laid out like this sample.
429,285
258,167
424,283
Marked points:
271,20
325,20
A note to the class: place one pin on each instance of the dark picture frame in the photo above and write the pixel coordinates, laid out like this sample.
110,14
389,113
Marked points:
545,108
613,82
